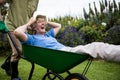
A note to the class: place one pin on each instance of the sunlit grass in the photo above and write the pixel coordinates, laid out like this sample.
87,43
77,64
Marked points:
99,70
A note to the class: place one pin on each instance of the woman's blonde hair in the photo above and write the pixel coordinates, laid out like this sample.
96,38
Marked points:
41,16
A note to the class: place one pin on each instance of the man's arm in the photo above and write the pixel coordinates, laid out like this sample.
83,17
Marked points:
55,26
1,19
20,31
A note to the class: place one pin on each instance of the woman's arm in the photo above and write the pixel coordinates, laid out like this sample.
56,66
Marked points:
55,26
20,31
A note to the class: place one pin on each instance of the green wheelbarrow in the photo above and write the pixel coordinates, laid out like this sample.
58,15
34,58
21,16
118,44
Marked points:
54,61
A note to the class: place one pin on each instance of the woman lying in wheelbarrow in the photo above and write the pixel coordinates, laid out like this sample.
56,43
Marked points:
45,39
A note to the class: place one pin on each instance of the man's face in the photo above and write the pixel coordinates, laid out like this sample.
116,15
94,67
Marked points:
1,1
40,26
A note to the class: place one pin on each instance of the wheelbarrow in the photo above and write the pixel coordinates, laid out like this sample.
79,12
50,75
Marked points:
55,61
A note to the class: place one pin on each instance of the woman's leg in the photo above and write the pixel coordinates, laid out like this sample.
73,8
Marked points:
100,50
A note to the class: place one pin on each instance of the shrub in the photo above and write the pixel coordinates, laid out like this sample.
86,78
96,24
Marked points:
113,35
93,33
70,36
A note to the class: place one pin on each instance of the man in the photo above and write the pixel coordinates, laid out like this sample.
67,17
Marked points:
18,14
45,39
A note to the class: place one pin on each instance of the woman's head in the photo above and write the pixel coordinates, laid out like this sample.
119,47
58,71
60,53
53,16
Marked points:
40,24
41,16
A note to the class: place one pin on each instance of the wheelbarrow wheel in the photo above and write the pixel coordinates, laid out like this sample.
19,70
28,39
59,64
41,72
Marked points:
76,76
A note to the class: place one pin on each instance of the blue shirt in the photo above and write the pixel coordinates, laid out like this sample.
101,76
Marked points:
47,41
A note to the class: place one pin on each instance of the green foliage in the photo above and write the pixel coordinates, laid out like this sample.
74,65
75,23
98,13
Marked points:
110,14
113,35
89,32
92,33
68,21
70,36
87,28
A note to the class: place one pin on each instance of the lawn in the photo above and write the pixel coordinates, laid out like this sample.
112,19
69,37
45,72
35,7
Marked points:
99,70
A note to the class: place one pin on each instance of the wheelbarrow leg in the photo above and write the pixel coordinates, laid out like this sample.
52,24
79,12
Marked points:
87,66
32,70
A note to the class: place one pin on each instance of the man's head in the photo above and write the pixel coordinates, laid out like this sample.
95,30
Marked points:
1,1
40,24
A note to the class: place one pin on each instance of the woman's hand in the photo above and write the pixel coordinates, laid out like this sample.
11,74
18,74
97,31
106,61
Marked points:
31,21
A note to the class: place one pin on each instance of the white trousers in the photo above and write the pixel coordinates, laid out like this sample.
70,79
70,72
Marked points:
100,50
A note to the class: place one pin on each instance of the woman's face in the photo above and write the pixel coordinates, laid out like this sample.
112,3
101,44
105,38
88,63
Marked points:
40,26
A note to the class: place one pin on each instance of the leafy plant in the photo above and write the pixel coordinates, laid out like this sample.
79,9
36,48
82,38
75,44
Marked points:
109,13
113,35
92,33
70,36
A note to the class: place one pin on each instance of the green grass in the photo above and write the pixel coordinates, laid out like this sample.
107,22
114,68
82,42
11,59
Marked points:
99,70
